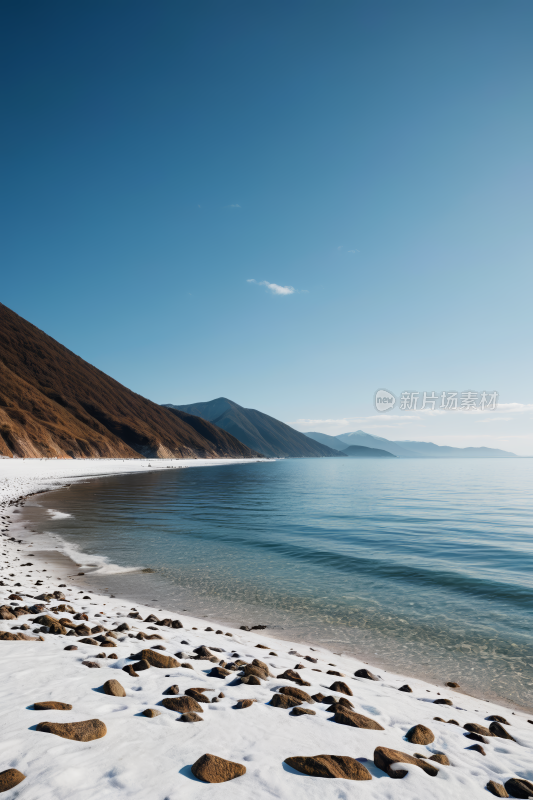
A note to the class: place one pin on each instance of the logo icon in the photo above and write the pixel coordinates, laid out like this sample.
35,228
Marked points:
384,400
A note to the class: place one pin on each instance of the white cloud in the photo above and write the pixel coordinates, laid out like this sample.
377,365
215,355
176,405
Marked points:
275,288
234,205
353,251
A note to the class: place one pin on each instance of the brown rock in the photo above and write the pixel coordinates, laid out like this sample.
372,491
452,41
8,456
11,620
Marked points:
141,665
343,701
318,698
324,766
197,694
355,720
285,701
337,707
7,636
129,669
419,734
10,778
84,731
298,693
497,789
258,672
339,704
213,769
182,704
71,647
263,666
332,672
498,730
386,759
48,705
443,702
497,718
452,685
365,673
251,680
190,716
473,727
151,712
203,652
46,619
478,748
114,688
476,737
91,664
292,675
440,758
246,703
85,617
157,659
88,640
218,672
519,787
297,712
340,686
405,688
174,689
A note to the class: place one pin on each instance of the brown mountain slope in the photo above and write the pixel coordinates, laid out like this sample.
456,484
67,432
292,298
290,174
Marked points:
55,404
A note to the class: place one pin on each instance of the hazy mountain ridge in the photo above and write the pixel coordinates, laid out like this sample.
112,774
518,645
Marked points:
257,430
358,451
410,449
54,404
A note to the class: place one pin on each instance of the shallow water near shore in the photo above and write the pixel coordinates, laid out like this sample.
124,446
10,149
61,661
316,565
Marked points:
421,566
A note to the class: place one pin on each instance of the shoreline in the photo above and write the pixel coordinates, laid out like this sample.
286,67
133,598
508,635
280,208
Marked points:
92,575
235,738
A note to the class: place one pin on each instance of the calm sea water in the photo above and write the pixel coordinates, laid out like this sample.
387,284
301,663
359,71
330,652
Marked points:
422,566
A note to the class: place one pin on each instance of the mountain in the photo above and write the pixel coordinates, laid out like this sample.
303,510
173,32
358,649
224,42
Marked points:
411,449
257,430
430,450
329,441
356,451
54,404
367,440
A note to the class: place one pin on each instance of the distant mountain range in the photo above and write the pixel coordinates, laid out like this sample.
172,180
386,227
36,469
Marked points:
357,451
54,404
406,449
257,430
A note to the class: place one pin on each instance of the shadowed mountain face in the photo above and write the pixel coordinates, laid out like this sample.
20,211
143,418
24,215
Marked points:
257,430
329,441
55,404
357,451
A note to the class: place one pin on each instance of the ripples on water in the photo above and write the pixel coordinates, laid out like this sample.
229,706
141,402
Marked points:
422,566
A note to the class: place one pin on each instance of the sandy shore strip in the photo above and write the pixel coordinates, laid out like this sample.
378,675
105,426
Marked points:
173,663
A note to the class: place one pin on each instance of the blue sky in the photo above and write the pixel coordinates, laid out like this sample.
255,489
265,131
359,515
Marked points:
166,165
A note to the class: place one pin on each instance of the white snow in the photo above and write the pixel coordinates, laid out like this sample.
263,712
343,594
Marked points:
150,759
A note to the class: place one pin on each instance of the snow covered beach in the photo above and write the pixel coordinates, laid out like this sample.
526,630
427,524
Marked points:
141,756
